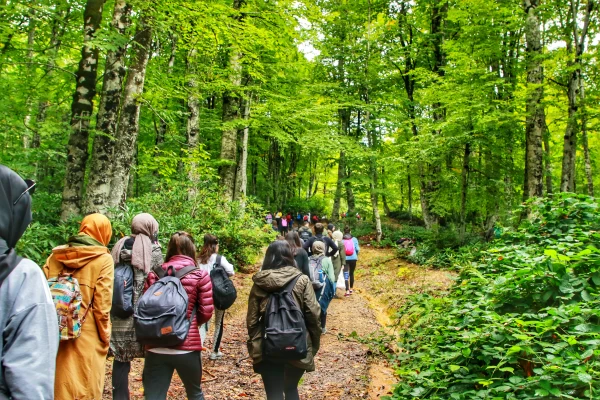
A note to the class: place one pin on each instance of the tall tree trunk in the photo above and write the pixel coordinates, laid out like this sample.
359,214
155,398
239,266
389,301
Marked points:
535,118
386,207
350,193
193,120
30,72
339,187
99,185
130,115
463,192
82,108
410,194
548,161
241,181
231,113
161,131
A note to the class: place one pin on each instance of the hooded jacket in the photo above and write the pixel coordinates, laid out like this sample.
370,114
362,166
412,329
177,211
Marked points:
354,256
198,287
80,361
28,322
273,280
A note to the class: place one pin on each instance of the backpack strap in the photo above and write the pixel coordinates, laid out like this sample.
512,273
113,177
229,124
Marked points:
159,271
185,271
218,261
290,286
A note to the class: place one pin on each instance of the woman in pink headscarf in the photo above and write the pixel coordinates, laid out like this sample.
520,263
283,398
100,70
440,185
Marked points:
142,252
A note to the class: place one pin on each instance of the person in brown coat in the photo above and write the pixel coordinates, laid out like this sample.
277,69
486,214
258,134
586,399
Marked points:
278,270
80,362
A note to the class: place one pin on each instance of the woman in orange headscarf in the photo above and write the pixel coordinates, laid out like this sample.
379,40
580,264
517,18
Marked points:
80,362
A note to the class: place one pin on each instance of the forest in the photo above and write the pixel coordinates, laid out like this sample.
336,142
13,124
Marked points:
469,126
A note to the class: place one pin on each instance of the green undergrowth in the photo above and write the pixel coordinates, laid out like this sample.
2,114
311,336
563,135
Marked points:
241,233
521,322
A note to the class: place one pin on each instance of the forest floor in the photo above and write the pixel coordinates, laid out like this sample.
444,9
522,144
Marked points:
345,368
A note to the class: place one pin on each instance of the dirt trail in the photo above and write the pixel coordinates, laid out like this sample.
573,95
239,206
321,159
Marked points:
344,367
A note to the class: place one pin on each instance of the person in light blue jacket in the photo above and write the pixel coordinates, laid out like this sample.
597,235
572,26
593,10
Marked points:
352,249
28,321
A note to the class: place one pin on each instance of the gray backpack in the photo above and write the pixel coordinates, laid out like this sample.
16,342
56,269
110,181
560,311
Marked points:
160,318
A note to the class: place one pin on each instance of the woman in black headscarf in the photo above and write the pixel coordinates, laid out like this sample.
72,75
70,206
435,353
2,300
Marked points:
28,319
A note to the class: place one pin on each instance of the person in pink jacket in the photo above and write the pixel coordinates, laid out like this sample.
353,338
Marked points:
185,358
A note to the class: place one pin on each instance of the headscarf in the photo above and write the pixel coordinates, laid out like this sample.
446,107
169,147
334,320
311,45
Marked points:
318,248
337,235
98,227
14,218
143,228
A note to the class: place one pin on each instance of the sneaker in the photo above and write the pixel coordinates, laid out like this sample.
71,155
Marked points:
351,291
323,331
215,356
347,294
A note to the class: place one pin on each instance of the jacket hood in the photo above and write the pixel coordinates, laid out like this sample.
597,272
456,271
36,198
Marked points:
15,214
272,280
78,256
347,236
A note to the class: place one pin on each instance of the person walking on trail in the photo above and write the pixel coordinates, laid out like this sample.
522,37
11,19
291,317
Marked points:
186,357
142,253
278,218
330,246
28,320
305,232
281,378
269,218
339,258
300,255
208,259
80,363
290,222
284,226
351,249
324,294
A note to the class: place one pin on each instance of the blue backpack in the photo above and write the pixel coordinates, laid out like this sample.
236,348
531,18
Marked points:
161,315
122,304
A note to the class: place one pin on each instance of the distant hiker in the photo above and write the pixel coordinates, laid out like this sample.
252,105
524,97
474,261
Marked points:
280,375
208,259
86,263
184,358
321,270
299,219
278,218
269,218
290,222
305,232
315,219
27,315
352,249
358,216
136,254
330,229
330,246
284,226
300,255
339,258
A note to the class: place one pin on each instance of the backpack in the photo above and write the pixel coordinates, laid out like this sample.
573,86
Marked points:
349,246
284,222
160,318
305,218
122,303
285,329
224,293
305,234
317,276
67,299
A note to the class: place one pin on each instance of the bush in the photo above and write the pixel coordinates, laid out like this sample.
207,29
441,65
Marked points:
240,233
522,322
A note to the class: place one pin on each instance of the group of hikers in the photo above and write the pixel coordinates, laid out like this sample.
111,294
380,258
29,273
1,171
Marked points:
60,322
284,222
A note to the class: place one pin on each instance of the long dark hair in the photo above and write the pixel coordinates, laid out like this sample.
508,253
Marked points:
279,254
209,248
181,243
294,240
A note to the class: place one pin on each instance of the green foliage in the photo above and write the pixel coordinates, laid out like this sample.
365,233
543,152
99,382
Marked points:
522,322
241,234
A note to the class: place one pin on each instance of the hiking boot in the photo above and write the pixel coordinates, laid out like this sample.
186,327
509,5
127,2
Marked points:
215,356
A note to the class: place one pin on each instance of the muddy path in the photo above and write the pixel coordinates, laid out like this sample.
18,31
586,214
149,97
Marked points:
345,368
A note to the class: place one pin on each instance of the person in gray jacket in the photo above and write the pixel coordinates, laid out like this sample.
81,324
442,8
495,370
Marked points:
28,319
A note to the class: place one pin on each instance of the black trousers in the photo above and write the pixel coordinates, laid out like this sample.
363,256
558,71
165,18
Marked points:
351,267
280,380
158,371
120,380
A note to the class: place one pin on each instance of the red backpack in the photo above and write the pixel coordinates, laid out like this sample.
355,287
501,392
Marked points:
349,246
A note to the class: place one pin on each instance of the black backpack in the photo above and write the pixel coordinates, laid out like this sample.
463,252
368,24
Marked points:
122,303
160,318
224,293
305,234
285,329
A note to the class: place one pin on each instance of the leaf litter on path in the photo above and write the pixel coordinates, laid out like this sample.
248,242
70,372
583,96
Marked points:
345,368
